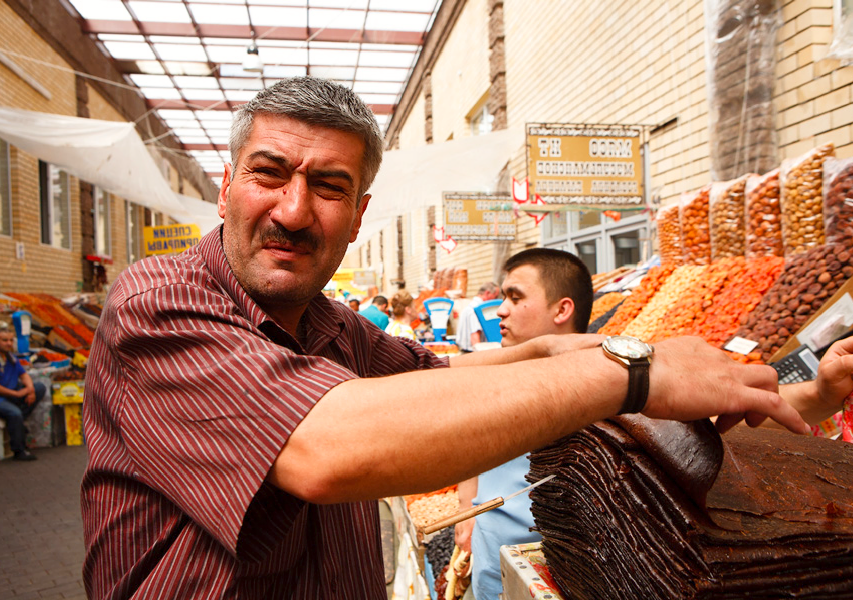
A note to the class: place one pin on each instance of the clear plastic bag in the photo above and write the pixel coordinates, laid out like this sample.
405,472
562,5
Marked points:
695,231
763,223
669,235
725,214
801,182
838,200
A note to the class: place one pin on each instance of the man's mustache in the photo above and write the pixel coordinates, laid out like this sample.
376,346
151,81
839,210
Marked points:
302,239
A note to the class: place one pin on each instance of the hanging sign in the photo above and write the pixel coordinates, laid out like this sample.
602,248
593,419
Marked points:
170,239
586,166
479,217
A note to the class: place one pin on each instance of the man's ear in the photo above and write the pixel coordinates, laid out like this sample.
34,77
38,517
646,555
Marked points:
357,223
223,191
565,310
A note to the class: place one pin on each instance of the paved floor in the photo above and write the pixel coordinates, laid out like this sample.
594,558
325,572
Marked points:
41,533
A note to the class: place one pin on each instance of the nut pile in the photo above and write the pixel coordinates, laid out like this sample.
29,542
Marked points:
838,201
668,221
680,317
604,304
745,286
802,198
809,279
726,208
695,231
681,280
763,215
638,299
432,507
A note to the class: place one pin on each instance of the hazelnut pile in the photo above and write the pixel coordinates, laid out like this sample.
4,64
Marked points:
807,282
432,507
838,201
763,215
669,235
726,219
695,231
802,199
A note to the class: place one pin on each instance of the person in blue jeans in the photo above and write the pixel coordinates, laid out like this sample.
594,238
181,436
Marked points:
18,395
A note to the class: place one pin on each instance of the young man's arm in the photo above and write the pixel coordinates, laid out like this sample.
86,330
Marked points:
27,387
363,440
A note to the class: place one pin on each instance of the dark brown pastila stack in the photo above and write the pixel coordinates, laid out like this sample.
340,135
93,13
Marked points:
638,510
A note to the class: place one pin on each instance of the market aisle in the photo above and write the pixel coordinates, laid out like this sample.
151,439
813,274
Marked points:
41,532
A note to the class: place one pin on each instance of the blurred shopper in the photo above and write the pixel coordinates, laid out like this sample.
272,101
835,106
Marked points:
377,312
402,315
470,332
355,304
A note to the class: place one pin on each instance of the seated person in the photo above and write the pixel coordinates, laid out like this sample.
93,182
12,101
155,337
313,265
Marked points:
18,394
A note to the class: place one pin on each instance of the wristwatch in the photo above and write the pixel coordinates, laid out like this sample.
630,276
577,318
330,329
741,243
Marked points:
636,356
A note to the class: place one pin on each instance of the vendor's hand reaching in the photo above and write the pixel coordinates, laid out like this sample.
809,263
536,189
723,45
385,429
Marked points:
462,534
835,376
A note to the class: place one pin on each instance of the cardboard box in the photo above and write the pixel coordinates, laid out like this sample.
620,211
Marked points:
73,425
67,392
524,574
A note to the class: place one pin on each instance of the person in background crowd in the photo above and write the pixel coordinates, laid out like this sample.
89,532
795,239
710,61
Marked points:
377,312
355,304
257,475
470,332
18,395
403,314
546,291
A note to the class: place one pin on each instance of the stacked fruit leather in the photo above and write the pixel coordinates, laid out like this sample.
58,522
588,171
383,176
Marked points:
643,508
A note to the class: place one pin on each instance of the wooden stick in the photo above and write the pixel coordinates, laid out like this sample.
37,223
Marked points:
463,515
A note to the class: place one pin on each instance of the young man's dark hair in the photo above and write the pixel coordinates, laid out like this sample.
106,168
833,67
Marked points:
380,301
563,275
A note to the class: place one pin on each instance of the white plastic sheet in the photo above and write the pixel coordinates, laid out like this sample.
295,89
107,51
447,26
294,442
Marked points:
105,153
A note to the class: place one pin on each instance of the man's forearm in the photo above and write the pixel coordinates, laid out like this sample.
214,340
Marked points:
540,347
10,393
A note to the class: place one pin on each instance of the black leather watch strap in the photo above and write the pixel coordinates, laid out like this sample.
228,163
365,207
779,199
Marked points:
638,387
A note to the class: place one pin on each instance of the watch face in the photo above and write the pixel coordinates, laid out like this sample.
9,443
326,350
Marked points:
628,347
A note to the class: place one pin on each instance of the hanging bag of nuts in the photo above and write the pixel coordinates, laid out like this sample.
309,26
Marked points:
669,235
726,207
694,227
801,182
763,215
838,200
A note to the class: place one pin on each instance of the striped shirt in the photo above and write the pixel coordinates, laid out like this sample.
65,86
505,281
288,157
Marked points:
191,392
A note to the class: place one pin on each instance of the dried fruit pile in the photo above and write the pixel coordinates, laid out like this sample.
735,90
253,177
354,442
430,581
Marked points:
695,228
681,280
638,299
808,280
604,304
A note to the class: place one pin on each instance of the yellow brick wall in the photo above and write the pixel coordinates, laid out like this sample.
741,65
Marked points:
413,133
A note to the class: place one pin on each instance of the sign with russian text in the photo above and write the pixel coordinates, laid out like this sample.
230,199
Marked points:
586,166
170,239
474,216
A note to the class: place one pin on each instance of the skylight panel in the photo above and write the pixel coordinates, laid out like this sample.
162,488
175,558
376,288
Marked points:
372,74
385,59
187,68
170,113
335,19
214,115
160,12
120,37
231,15
396,21
160,93
101,9
227,54
174,39
181,53
425,6
241,83
379,98
129,51
205,83
275,72
151,80
344,73
203,94
278,16
376,87
240,95
332,57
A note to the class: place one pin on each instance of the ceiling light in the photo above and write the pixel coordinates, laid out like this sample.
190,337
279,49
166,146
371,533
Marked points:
253,61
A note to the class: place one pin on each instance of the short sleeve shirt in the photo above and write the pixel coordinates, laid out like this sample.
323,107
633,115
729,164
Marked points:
11,372
191,392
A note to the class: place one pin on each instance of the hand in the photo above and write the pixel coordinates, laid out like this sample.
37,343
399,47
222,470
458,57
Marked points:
835,376
692,380
462,534
30,396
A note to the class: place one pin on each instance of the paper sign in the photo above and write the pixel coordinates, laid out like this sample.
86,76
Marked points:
833,322
740,345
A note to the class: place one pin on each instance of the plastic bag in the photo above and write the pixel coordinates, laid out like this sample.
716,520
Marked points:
669,235
763,225
801,182
838,200
725,214
695,232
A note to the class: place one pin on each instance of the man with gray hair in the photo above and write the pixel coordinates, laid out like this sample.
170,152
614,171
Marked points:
240,425
470,332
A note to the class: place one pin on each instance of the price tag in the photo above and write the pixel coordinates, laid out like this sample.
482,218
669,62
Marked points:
740,345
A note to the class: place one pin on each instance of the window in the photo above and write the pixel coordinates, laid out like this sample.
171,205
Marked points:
102,222
5,190
55,204
134,231
481,121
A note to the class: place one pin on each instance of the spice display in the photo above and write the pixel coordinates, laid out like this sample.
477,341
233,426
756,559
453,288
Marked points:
604,304
638,299
681,280
431,507
726,214
802,199
745,286
808,280
695,230
838,200
668,221
768,516
763,215
679,319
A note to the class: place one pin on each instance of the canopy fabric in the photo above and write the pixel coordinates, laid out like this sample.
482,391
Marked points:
108,154
415,178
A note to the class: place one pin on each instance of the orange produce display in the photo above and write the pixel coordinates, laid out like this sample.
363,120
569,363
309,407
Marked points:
638,299
605,303
695,227
676,285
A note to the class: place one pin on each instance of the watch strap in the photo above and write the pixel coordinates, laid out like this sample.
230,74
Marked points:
638,387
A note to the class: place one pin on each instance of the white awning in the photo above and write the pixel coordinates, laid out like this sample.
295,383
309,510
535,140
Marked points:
415,178
107,154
